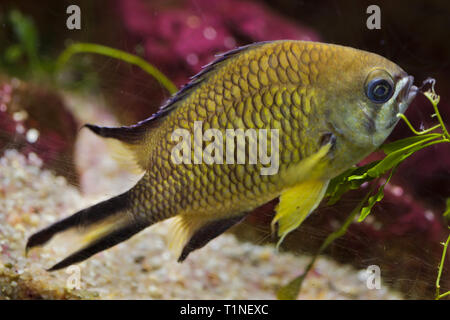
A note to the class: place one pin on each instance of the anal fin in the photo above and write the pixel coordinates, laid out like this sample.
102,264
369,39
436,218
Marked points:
190,232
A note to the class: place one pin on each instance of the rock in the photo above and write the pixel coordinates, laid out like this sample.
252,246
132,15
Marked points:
35,119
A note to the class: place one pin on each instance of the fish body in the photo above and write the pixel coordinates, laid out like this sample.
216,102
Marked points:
324,108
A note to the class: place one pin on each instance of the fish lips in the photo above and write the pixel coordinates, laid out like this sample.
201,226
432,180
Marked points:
403,100
407,94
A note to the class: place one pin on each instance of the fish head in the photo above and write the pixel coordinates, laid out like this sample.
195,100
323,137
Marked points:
388,92
367,97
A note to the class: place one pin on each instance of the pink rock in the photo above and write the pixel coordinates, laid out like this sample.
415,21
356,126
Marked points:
53,128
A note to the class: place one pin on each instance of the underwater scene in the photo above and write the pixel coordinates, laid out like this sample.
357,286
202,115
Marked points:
224,150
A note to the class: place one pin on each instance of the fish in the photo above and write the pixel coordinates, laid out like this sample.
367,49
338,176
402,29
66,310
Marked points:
324,107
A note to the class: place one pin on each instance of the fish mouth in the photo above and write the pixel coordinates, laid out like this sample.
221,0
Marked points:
408,93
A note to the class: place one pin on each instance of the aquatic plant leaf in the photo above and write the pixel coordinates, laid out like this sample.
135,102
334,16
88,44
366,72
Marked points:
81,47
354,177
350,179
27,35
406,143
387,163
292,289
394,158
447,210
377,197
13,53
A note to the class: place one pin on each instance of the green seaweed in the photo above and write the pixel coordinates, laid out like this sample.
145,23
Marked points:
447,210
116,54
26,33
377,197
22,56
441,267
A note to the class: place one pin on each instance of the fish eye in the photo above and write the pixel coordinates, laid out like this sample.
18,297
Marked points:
379,90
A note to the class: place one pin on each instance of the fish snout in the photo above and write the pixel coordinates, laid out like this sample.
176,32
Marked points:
409,91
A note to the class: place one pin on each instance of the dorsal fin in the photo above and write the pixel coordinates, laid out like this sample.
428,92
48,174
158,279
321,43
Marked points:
133,136
201,76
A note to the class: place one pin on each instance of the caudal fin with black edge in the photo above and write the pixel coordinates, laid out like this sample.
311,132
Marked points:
90,230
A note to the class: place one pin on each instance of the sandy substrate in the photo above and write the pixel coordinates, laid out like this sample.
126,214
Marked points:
143,268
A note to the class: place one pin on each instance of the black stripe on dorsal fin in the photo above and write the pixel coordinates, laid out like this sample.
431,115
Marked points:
128,138
129,134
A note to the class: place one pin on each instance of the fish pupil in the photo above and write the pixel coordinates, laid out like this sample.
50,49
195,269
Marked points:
379,90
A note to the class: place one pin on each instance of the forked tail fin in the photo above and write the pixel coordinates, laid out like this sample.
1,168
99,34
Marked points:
91,230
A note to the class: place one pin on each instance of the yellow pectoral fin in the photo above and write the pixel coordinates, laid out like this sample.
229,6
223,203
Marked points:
311,167
296,204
